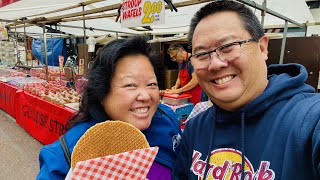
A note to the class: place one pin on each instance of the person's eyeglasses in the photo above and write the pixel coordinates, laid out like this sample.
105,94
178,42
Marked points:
174,57
225,53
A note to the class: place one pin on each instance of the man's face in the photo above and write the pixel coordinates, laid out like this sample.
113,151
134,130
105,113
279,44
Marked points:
230,85
177,56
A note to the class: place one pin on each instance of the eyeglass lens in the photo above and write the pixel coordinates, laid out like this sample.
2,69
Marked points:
225,54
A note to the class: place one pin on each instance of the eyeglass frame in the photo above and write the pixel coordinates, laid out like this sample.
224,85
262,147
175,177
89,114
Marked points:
175,56
223,46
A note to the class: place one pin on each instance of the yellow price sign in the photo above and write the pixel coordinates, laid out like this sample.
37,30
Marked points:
151,10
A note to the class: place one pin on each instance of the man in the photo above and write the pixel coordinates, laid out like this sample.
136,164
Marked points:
187,80
264,122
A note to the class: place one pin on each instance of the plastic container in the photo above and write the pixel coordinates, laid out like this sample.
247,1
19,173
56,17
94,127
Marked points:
176,100
184,111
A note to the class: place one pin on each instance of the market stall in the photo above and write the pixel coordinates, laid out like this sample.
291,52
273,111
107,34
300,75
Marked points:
43,120
41,108
43,113
8,94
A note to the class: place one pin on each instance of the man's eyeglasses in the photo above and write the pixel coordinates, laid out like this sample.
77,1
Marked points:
174,57
225,53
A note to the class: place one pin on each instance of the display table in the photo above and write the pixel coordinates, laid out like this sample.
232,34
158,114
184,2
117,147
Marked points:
43,120
7,98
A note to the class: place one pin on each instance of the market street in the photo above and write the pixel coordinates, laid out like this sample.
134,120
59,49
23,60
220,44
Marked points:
18,151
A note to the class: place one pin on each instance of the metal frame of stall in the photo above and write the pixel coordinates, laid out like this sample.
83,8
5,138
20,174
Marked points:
263,8
77,16
44,34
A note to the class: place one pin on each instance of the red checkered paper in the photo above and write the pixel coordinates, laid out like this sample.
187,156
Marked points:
128,165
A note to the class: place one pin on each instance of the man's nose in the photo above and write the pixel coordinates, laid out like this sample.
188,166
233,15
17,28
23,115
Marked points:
215,63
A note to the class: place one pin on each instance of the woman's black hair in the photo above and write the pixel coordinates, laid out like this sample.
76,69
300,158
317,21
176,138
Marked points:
101,74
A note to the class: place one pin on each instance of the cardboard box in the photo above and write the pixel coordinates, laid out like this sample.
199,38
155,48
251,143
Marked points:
170,77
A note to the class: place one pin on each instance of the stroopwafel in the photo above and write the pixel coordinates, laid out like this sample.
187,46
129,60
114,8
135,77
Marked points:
108,138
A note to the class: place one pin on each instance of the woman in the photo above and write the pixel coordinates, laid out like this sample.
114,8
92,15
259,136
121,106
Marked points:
121,85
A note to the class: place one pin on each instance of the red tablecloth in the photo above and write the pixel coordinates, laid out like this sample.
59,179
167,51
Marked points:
7,98
43,120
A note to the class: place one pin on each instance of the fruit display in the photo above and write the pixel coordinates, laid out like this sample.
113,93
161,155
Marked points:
8,72
17,74
22,81
53,75
53,92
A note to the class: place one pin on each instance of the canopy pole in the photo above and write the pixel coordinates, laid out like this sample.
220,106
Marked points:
25,43
263,12
283,45
42,50
253,4
84,26
45,52
96,10
69,26
16,43
52,52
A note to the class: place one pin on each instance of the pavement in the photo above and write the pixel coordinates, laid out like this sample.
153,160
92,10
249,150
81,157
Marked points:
18,151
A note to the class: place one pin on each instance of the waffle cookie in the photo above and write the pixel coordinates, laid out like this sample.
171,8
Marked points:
108,138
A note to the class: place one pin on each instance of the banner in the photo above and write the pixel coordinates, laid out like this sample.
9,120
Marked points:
136,13
43,120
6,2
7,98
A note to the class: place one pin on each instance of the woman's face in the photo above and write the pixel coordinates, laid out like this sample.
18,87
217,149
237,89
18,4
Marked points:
134,94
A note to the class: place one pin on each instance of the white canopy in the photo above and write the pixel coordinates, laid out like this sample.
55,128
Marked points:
175,22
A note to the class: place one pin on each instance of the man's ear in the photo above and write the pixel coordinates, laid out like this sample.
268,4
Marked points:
263,45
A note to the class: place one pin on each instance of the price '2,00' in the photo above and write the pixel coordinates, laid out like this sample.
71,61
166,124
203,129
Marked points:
149,11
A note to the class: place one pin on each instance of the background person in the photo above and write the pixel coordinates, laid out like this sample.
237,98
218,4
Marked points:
187,80
122,85
264,122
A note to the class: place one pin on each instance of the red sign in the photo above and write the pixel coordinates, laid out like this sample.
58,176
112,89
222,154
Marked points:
6,2
7,98
41,119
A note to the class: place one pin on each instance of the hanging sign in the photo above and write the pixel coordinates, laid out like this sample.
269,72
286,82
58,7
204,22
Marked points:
3,31
61,60
81,67
136,13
